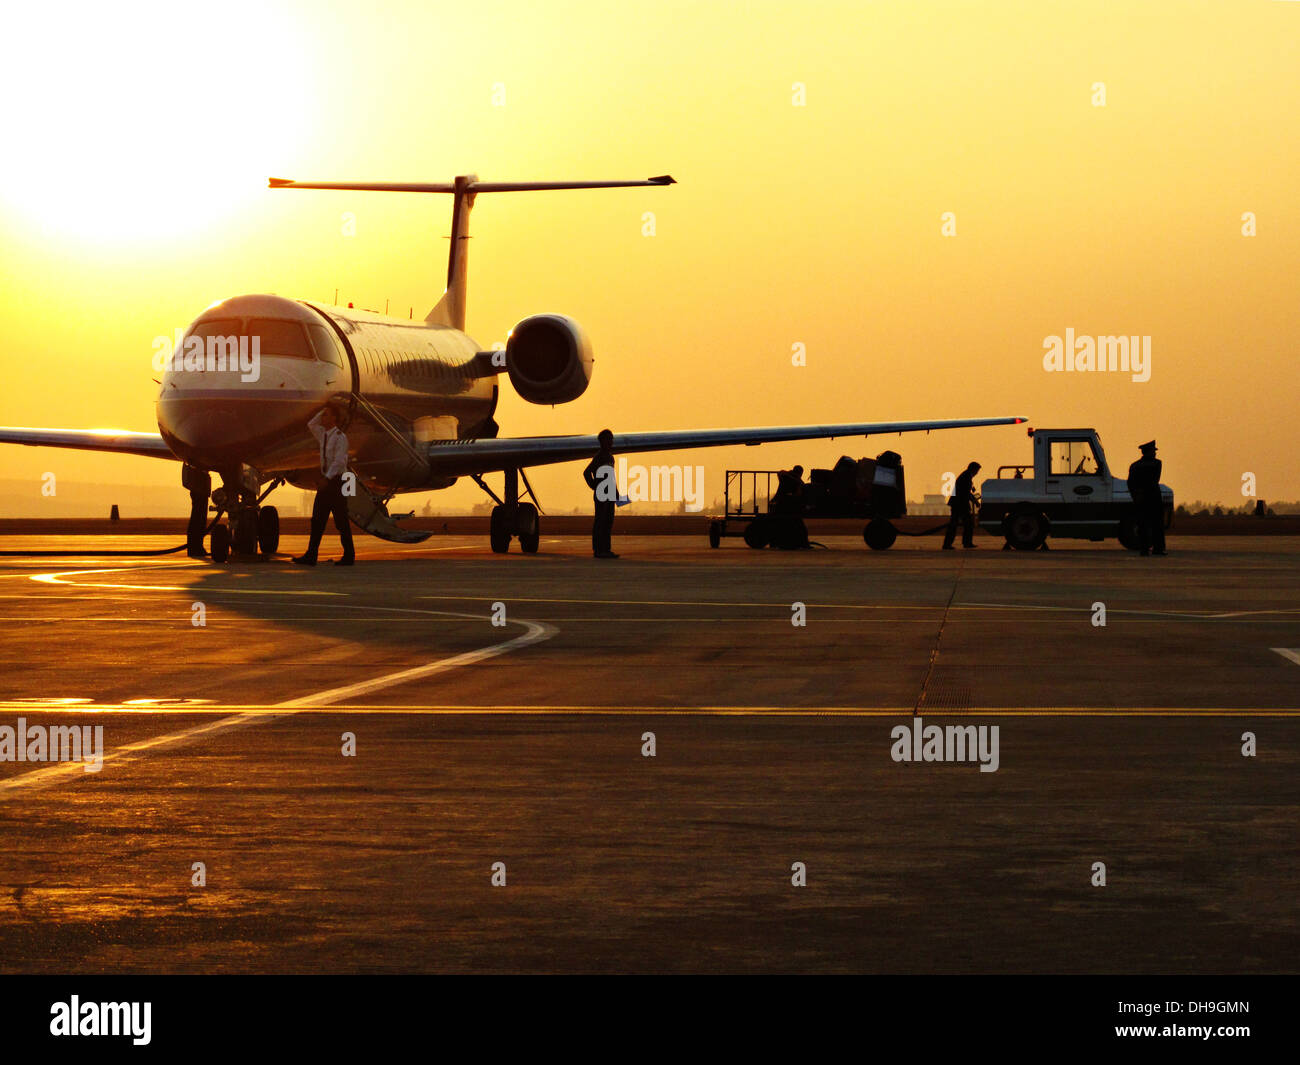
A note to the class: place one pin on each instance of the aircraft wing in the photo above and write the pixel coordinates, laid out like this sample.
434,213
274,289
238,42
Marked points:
457,457
119,440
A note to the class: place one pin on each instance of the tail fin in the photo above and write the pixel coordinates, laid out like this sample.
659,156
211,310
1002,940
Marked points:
450,310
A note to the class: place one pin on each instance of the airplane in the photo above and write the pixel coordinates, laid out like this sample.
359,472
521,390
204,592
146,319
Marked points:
420,399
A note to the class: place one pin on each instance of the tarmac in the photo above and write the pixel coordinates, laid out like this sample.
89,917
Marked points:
499,709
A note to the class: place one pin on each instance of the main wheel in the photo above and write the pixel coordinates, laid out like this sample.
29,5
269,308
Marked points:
499,531
879,534
756,534
527,528
244,534
268,530
715,533
1025,528
220,543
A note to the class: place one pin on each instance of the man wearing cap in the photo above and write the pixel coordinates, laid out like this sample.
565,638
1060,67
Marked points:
1148,504
329,497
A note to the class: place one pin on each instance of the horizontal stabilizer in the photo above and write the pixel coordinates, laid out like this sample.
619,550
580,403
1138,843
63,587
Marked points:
466,186
450,309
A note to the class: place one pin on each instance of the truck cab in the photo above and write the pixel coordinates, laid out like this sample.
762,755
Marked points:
1068,491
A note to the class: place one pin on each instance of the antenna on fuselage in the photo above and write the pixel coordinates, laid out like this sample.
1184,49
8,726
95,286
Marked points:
450,309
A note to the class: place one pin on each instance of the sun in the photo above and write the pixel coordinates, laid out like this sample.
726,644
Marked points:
147,120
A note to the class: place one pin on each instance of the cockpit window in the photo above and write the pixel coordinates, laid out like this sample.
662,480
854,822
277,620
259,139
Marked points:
327,348
218,327
280,337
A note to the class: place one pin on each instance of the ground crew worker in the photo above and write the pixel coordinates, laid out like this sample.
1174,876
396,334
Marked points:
962,504
199,483
329,496
789,492
1148,504
601,479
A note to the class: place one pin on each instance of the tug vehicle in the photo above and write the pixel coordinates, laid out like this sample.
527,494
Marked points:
1068,491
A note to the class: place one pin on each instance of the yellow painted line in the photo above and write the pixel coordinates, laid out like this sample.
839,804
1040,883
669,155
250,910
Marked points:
451,710
1082,609
1290,653
674,602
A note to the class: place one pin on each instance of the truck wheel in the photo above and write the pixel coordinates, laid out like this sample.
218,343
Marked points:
715,533
1130,536
756,533
879,535
1025,529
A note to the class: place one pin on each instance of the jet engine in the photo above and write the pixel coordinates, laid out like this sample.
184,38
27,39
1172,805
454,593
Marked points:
548,358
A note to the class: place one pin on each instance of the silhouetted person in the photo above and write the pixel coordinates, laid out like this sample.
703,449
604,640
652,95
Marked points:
329,497
199,483
1148,505
789,492
962,504
600,478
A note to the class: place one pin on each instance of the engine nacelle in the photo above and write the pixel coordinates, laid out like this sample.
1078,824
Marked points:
548,358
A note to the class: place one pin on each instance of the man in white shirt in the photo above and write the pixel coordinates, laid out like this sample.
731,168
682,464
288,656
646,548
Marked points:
329,497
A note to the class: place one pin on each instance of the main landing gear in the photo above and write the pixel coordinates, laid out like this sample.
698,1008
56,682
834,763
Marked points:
512,517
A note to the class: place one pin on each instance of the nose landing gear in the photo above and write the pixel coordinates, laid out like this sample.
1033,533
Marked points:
253,529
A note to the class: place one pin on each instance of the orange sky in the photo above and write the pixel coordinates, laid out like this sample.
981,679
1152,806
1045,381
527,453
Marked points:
133,195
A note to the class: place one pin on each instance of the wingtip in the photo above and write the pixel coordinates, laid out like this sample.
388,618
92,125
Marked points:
663,179
278,182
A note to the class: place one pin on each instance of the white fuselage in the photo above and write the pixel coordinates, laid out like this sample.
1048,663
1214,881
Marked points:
285,358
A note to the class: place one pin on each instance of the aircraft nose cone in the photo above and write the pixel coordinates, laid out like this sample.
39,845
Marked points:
217,432
208,428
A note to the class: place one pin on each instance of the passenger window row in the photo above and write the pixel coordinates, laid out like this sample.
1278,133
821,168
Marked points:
382,360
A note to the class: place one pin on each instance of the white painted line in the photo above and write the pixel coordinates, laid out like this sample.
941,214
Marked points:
44,777
1292,653
57,578
40,778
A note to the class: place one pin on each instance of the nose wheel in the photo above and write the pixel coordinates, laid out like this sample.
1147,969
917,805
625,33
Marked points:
253,529
219,545
245,531
268,530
